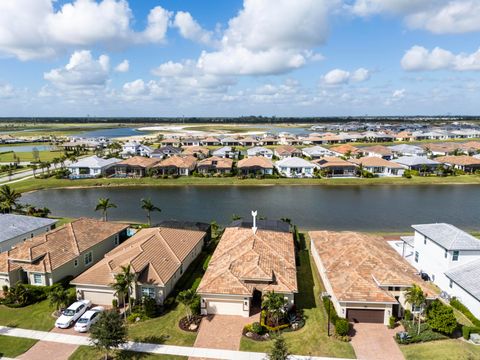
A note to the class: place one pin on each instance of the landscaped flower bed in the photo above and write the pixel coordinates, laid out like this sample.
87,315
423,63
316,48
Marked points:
191,324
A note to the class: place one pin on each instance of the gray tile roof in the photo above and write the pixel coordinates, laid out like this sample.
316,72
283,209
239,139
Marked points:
415,161
14,225
467,277
448,236
409,240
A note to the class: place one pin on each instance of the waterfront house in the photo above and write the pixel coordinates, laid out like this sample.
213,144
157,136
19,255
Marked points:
285,151
165,151
336,167
260,151
92,167
176,165
378,166
295,167
377,151
242,269
65,251
450,257
257,165
157,256
216,165
199,152
407,150
268,141
190,142
365,278
18,228
316,152
137,166
226,152
462,162
249,141
345,150
134,148
418,163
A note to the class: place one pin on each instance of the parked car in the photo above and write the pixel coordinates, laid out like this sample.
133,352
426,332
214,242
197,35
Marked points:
88,319
72,313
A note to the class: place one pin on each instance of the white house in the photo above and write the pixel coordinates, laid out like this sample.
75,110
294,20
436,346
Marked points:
316,152
379,166
91,167
134,148
407,150
295,167
450,257
260,151
226,152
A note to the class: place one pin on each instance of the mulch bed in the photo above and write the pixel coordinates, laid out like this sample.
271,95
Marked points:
184,324
255,337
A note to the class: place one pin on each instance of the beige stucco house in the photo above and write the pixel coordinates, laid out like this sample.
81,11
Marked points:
66,251
158,257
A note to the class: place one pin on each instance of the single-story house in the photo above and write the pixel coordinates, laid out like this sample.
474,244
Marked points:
441,149
215,164
190,142
165,151
268,141
230,141
407,150
175,142
364,276
157,256
226,152
242,269
471,147
255,165
378,166
260,151
199,152
377,151
92,167
284,151
418,163
176,165
461,162
65,251
18,228
134,148
136,166
345,150
249,141
316,152
336,167
295,167
210,141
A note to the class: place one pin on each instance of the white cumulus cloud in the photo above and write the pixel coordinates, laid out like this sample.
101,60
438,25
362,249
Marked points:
339,76
190,29
419,58
123,67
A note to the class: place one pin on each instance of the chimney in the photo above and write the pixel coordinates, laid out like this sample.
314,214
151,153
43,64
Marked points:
254,227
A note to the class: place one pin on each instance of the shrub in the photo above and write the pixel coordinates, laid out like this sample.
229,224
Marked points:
263,316
257,328
206,262
115,303
391,322
408,315
333,314
134,316
426,333
195,306
407,174
467,330
168,303
455,303
149,307
441,318
342,327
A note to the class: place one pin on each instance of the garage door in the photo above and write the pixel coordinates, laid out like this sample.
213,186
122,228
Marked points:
98,298
365,316
225,307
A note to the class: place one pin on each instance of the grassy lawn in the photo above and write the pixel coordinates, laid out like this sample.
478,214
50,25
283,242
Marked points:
35,317
443,349
312,339
90,353
13,346
28,156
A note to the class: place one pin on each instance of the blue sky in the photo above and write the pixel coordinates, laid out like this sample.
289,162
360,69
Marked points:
234,58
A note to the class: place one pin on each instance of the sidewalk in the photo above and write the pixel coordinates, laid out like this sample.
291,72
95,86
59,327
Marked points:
148,348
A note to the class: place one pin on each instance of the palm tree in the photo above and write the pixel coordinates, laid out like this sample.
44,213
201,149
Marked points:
274,304
416,298
34,170
8,198
58,297
104,204
148,206
187,298
123,285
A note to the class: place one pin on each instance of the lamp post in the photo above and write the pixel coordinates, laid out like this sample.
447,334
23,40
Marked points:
328,296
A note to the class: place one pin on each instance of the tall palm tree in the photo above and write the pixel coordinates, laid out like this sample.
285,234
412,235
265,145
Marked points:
416,298
187,298
34,170
8,198
274,304
148,206
123,284
104,204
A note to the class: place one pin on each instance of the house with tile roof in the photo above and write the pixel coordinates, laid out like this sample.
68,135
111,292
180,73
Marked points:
65,251
260,151
418,163
377,151
157,256
227,152
247,263
165,151
255,165
316,152
295,167
378,166
336,167
92,167
461,162
284,151
176,165
364,276
216,165
345,150
199,152
136,166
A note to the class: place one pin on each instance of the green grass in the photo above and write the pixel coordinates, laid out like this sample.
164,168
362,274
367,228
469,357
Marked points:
443,349
28,156
35,317
63,221
90,353
312,339
13,346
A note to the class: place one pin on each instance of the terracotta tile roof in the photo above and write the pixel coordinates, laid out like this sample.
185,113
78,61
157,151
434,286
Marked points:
255,161
191,150
244,261
53,249
356,264
186,162
461,160
377,149
441,147
471,145
155,254
343,149
286,150
140,161
221,163
370,161
330,161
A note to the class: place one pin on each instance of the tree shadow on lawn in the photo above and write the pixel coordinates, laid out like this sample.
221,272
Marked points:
305,299
130,355
152,339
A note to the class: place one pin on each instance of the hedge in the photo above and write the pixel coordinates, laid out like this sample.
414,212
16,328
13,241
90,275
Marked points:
454,302
467,330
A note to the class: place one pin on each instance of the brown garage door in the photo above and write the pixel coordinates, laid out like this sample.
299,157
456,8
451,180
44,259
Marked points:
365,316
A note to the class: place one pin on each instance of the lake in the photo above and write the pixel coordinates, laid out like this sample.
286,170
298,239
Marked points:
366,208
112,133
27,148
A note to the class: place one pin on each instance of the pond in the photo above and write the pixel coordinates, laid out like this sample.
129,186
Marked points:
366,208
26,148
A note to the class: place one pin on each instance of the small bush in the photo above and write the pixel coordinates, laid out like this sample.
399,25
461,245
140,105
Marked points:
134,317
257,328
467,330
391,322
206,262
149,307
441,318
115,303
408,315
342,327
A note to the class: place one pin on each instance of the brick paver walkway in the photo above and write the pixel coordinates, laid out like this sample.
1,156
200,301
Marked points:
375,342
46,350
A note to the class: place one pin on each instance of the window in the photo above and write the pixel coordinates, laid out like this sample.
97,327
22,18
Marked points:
455,256
37,279
425,240
75,262
88,258
451,284
148,291
416,256
116,242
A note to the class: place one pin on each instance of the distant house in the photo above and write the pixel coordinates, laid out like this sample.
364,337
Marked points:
247,263
91,167
215,164
379,166
268,141
249,141
18,228
65,251
165,151
199,152
157,256
287,151
134,148
418,163
345,150
255,165
226,152
260,151
230,141
210,141
336,167
471,147
441,149
136,166
378,151
191,142
365,278
176,165
316,152
295,167
407,150
175,142
461,162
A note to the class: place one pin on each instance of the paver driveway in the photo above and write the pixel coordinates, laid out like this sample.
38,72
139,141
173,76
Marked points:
375,342
46,350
